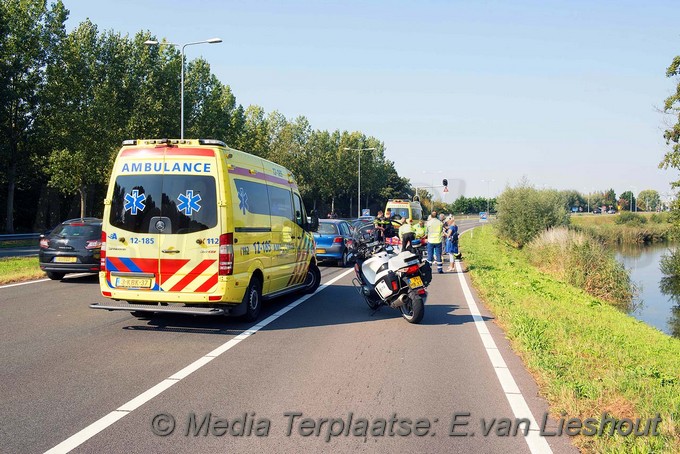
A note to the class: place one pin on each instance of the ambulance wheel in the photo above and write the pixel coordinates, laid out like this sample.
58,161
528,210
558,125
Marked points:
253,300
313,278
55,276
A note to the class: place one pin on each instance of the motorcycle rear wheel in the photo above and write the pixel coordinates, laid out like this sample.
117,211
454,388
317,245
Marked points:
414,310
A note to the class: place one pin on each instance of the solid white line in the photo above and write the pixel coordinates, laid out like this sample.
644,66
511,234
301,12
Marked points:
23,283
93,429
518,404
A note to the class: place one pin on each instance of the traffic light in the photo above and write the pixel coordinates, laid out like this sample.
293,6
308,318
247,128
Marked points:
445,182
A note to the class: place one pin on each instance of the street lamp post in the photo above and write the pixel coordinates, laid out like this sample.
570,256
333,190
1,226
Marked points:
432,185
488,194
359,176
152,42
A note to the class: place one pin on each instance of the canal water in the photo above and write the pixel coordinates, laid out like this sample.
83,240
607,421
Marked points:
658,299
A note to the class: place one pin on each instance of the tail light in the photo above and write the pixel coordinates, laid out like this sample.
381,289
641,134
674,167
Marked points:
413,269
337,239
93,244
44,243
422,292
102,253
226,254
395,286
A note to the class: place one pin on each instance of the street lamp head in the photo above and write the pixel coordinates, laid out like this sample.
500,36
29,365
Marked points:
213,40
150,42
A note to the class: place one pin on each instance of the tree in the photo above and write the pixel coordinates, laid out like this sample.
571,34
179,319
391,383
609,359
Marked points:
672,134
627,201
28,36
609,198
648,200
524,212
85,91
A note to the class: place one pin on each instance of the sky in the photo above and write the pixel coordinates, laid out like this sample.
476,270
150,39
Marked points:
567,94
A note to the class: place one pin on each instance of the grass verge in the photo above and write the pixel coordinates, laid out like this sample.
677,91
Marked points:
16,269
587,357
656,229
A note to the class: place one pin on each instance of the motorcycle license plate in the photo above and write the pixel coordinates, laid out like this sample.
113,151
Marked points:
415,282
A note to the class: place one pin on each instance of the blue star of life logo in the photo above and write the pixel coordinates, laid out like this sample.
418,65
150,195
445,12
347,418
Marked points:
134,202
189,203
243,200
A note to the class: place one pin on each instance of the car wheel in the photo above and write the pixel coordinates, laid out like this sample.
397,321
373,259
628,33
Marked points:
343,262
55,276
253,300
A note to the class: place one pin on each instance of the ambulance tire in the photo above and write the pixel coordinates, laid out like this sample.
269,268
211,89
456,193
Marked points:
253,299
313,278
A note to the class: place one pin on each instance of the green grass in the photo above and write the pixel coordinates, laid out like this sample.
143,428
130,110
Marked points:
16,269
587,356
18,243
604,227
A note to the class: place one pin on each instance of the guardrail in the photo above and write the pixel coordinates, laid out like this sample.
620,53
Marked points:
19,237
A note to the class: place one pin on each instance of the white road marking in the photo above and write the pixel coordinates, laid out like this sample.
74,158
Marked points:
93,429
518,404
74,275
23,283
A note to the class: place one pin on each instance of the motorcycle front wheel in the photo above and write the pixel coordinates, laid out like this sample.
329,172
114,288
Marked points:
414,310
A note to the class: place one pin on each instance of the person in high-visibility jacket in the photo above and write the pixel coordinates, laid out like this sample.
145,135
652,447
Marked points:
419,229
434,241
406,235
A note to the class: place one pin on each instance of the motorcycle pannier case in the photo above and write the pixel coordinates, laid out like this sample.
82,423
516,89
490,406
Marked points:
426,271
387,285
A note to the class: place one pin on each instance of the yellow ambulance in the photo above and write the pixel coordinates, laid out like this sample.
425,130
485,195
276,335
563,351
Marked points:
403,208
193,226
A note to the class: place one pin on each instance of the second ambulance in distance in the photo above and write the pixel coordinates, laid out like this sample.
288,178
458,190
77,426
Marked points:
193,226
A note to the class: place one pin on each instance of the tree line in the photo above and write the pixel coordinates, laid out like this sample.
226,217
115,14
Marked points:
69,99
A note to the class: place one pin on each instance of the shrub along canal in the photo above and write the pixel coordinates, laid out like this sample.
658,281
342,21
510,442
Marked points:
658,299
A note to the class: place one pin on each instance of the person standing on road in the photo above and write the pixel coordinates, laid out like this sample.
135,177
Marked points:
434,241
379,226
451,234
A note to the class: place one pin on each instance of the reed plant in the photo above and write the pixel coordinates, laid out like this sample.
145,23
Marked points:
584,262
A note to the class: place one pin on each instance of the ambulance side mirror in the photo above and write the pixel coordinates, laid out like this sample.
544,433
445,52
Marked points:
313,224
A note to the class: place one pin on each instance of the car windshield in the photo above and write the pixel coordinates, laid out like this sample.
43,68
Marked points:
77,230
327,229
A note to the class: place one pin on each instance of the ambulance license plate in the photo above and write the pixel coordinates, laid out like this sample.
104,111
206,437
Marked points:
320,251
65,259
415,282
130,282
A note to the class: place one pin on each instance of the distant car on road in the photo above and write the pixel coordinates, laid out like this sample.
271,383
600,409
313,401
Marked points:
333,239
71,247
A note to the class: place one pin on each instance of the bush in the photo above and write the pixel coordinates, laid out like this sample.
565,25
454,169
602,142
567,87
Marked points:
524,212
629,218
580,260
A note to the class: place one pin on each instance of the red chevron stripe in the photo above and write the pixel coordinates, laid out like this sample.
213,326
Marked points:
169,267
207,285
193,274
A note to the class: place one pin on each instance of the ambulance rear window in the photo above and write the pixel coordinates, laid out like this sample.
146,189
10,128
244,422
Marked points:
165,204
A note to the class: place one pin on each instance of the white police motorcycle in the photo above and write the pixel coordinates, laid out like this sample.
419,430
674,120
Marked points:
384,277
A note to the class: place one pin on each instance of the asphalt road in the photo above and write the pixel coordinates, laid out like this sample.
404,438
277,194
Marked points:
98,380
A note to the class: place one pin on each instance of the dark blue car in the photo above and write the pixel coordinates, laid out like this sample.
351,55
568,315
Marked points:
333,239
